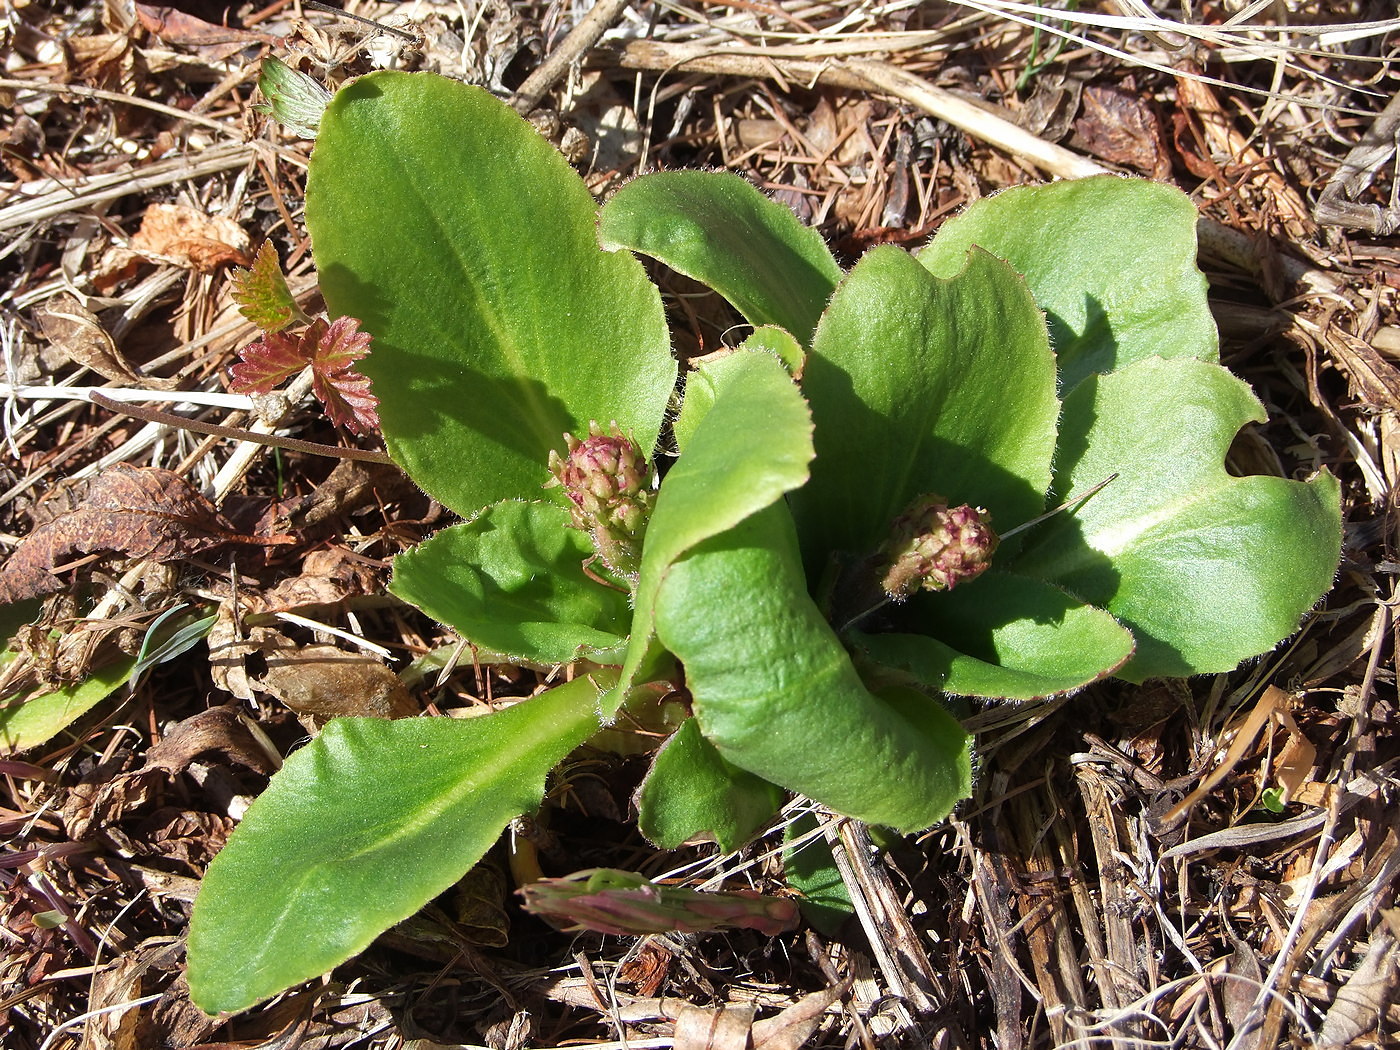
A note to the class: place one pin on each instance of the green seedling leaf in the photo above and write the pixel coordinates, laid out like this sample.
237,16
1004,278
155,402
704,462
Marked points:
262,294
1002,636
466,245
360,829
1205,568
1112,261
162,644
777,695
622,902
692,792
294,99
752,445
717,228
923,385
29,721
810,869
512,580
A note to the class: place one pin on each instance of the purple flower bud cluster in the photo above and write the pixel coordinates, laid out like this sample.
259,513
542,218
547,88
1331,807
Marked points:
935,547
608,483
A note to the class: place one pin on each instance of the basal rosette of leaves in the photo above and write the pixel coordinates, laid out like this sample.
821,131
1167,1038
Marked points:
1022,358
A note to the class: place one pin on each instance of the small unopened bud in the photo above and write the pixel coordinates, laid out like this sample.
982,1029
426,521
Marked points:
935,547
607,480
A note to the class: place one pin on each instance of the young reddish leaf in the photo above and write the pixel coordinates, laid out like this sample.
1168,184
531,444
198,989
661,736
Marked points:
340,345
331,350
275,357
348,400
344,391
262,294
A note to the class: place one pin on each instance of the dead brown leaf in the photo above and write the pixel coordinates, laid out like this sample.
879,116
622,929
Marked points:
215,729
327,576
791,1028
351,486
479,906
1121,128
1363,999
115,1026
230,645
727,1028
176,27
141,512
75,331
98,803
646,966
186,237
325,682
103,60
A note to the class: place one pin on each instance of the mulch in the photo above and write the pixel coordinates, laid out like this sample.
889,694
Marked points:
1203,863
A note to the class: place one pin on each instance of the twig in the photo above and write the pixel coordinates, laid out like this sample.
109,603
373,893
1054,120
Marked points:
888,929
580,39
1337,206
151,415
207,398
865,75
86,193
82,90
401,34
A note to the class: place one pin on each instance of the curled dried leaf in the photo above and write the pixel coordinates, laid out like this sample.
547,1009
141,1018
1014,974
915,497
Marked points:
75,330
142,512
187,237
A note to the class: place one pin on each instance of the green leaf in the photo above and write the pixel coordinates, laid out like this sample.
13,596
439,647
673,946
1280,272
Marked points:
293,98
261,291
360,829
1112,261
691,791
465,244
1002,636
701,388
811,869
512,580
168,638
923,385
777,695
1205,568
29,721
752,445
717,228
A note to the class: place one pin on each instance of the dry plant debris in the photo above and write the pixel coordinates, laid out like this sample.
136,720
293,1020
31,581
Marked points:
1200,864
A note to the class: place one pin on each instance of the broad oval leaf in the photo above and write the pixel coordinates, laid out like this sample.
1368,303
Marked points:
777,695
692,792
360,829
1205,568
924,385
1002,636
1111,261
465,245
751,445
717,228
512,580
